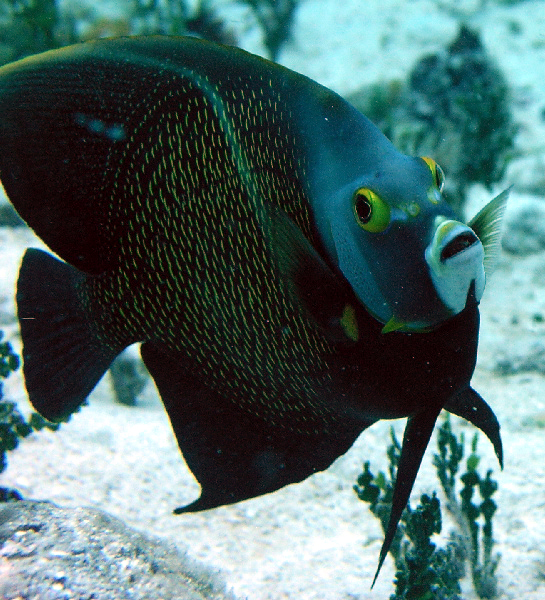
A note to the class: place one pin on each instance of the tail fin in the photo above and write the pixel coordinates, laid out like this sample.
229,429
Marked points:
63,360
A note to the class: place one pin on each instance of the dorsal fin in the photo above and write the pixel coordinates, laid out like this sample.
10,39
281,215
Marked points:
57,129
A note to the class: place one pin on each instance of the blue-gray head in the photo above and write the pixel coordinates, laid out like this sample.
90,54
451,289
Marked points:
386,226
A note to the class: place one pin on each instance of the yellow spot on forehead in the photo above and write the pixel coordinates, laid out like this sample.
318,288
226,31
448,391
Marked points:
444,225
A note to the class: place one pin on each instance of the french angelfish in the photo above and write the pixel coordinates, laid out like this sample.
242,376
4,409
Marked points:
291,276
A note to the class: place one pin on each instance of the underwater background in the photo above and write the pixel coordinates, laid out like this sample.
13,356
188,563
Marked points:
463,81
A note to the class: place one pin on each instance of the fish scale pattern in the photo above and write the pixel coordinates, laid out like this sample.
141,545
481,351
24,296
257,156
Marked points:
197,270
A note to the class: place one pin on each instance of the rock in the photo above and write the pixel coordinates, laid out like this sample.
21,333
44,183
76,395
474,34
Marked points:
53,553
525,227
531,361
129,376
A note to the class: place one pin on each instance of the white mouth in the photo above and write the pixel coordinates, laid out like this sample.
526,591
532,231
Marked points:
455,259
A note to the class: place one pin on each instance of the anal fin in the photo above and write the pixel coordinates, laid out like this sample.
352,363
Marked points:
62,359
234,454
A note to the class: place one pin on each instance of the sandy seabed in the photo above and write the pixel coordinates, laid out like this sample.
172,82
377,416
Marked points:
316,540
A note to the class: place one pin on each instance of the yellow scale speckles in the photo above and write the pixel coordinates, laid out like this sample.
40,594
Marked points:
199,170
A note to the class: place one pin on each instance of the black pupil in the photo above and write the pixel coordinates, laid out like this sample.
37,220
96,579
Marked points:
438,178
363,209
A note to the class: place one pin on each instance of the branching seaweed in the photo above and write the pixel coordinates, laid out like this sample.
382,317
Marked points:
13,425
423,570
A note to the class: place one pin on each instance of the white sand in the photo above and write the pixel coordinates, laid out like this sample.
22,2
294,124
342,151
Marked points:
316,540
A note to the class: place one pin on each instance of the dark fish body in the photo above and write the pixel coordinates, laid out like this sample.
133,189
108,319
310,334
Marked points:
181,183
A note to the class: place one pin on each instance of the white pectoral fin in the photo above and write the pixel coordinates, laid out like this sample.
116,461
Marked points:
487,224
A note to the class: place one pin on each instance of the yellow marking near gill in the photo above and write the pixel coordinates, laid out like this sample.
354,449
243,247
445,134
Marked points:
349,323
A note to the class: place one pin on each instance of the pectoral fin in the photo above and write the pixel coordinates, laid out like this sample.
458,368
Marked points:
326,297
470,406
487,225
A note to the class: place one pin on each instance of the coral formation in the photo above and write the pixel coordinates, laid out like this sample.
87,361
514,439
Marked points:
423,570
129,377
454,107
37,25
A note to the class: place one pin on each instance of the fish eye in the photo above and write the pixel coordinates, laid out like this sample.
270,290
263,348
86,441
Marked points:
436,171
370,211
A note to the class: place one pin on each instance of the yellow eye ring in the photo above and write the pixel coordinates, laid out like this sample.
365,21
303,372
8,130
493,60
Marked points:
436,171
370,211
